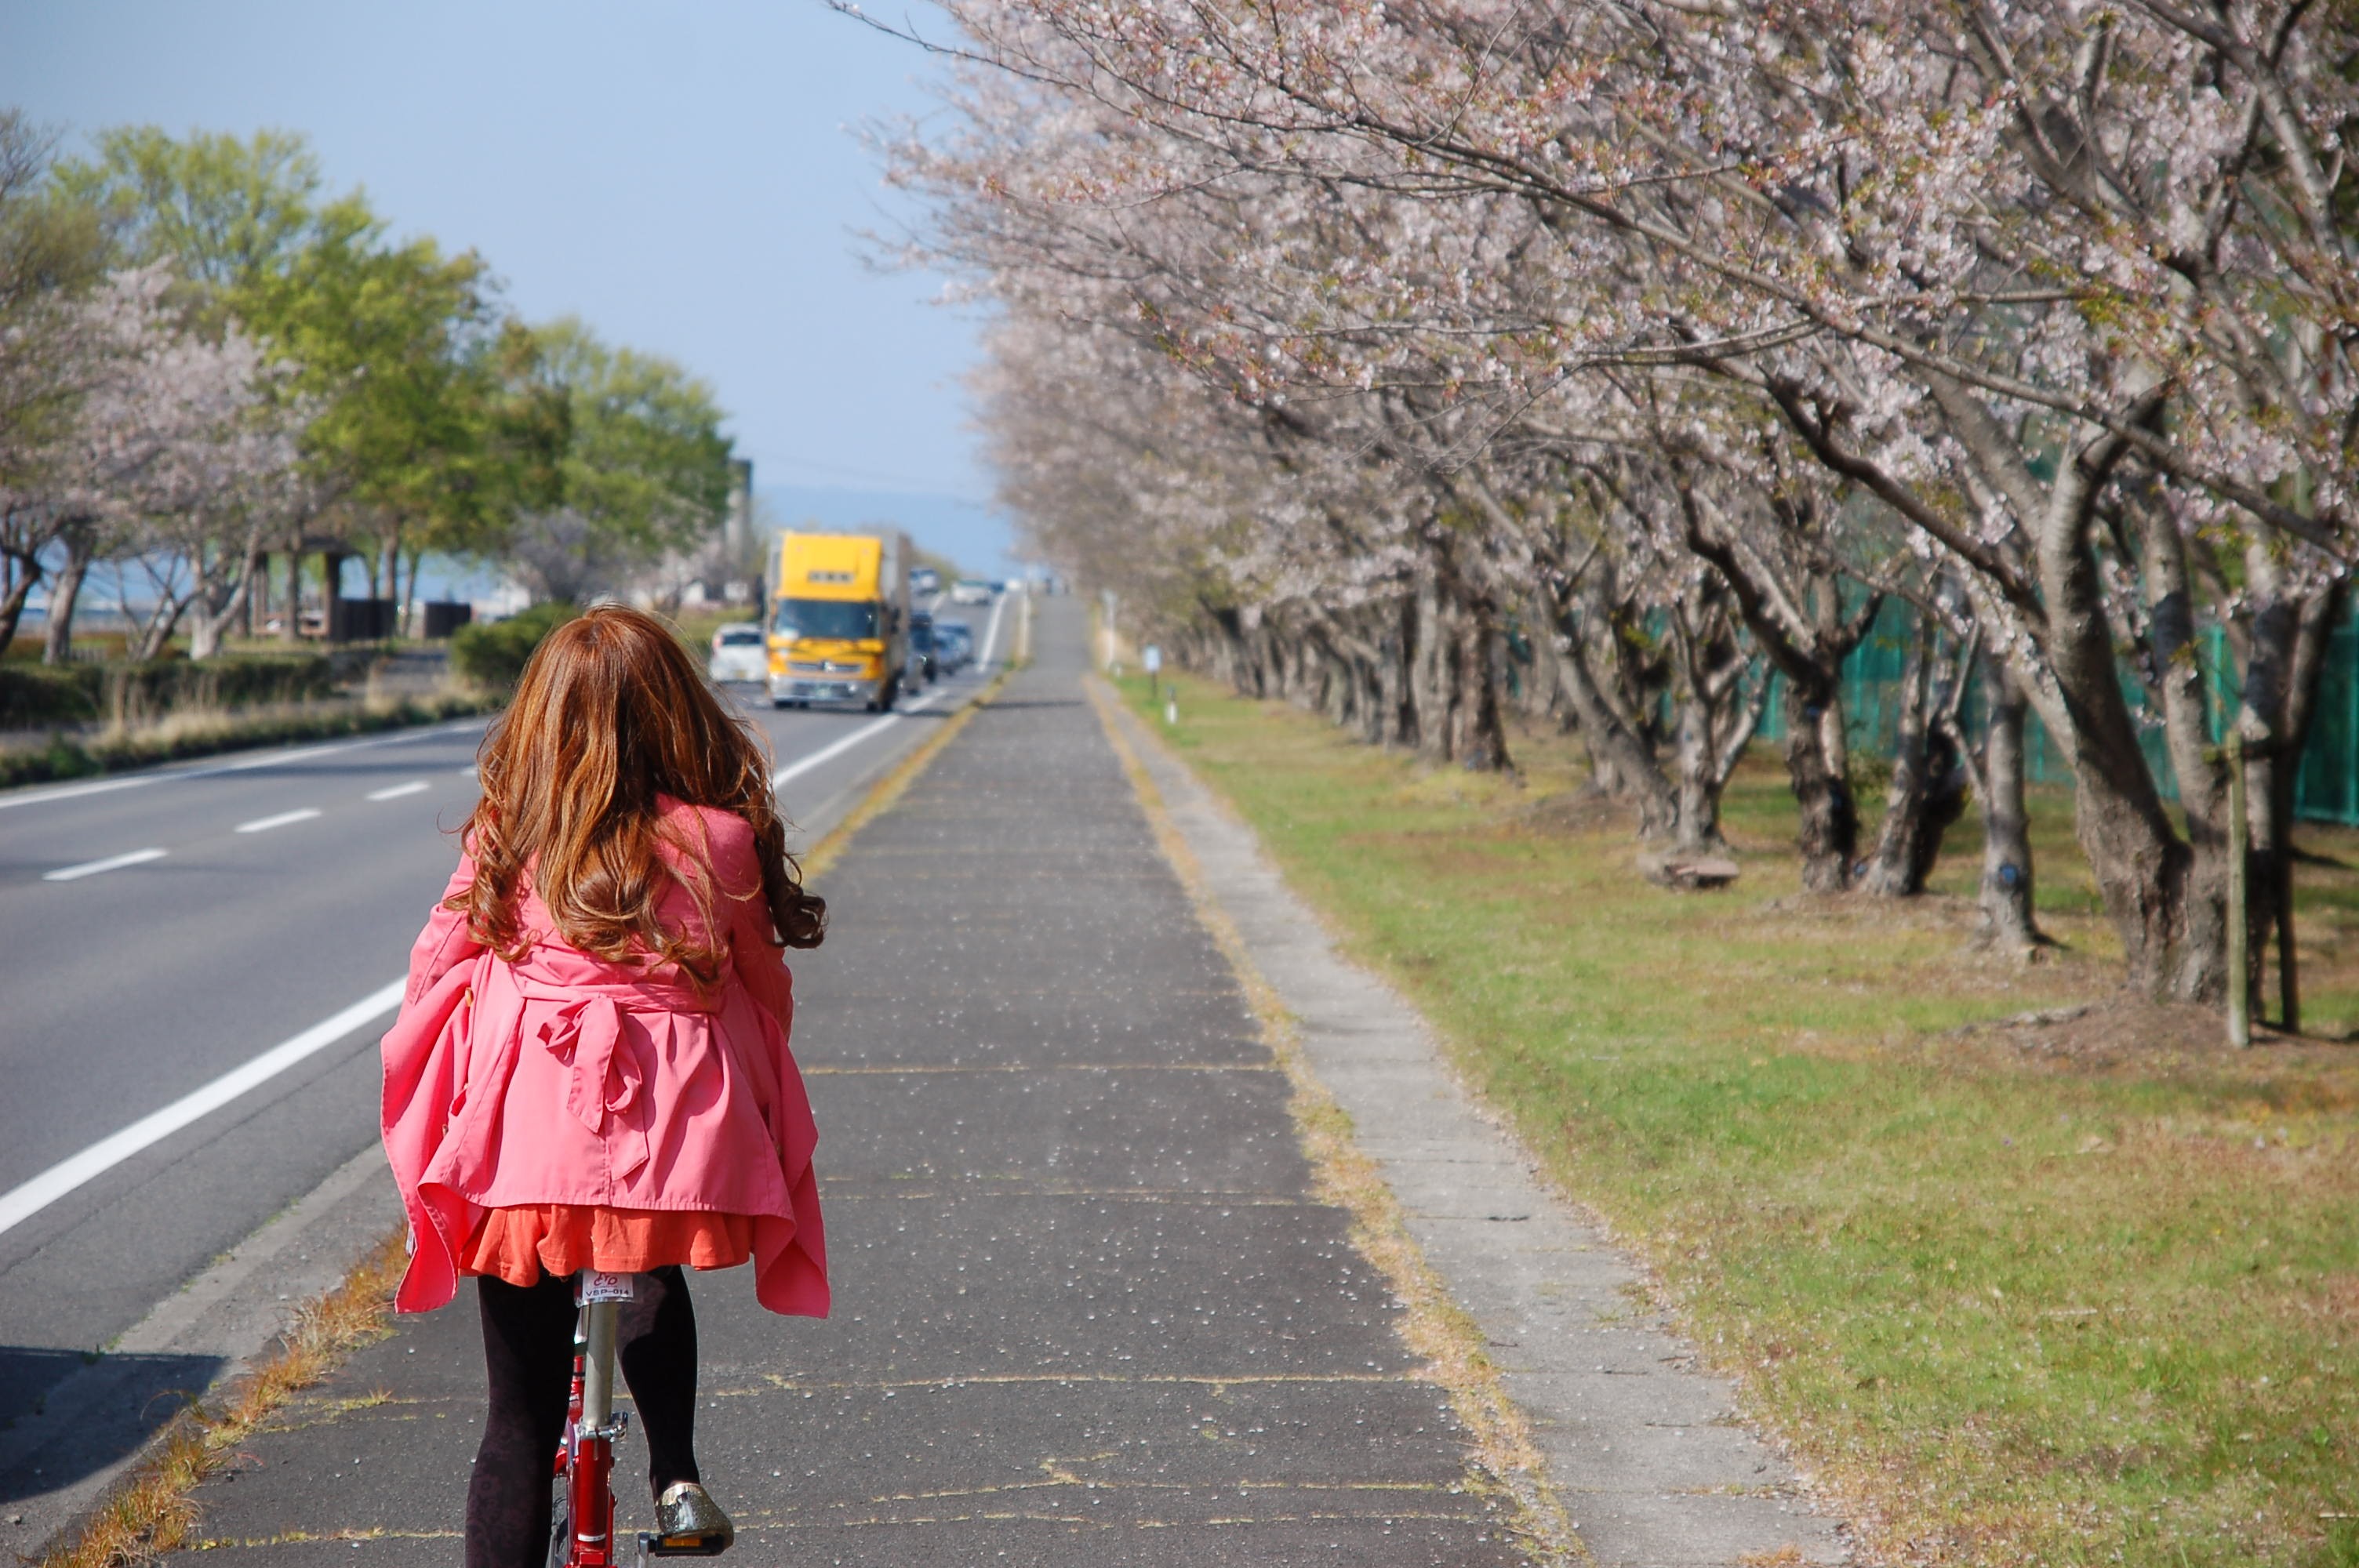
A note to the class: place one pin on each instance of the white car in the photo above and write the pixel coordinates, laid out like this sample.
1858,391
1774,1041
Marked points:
970,591
740,652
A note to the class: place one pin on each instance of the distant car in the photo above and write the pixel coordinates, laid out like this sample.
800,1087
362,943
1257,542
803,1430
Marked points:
739,653
971,590
925,579
923,666
953,645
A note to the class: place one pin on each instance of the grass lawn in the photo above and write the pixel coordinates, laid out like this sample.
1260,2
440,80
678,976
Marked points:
2012,1296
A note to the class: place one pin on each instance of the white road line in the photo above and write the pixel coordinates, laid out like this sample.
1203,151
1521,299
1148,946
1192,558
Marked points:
828,753
991,632
73,792
265,824
273,759
394,792
92,868
22,1203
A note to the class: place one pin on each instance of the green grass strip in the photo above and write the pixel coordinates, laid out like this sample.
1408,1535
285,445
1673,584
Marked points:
2079,1295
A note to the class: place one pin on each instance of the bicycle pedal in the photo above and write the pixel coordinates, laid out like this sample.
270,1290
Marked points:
712,1543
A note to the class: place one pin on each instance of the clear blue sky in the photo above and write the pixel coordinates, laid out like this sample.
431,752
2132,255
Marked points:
683,177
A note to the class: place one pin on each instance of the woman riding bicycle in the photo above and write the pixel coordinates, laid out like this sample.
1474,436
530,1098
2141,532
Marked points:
590,1070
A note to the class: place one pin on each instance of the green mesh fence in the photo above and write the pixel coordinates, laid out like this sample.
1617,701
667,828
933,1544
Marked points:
2326,789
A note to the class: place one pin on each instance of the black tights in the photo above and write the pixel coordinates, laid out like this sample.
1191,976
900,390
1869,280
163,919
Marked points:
529,1351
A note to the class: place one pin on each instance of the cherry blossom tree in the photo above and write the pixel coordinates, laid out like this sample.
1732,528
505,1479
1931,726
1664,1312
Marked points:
2061,292
166,451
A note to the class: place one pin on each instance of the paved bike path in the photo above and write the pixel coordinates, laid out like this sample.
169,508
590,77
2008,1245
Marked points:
1088,1311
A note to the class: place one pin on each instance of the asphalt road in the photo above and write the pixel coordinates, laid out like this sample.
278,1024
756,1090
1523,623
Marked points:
161,931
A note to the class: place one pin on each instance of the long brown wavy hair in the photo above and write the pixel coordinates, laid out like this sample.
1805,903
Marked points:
610,713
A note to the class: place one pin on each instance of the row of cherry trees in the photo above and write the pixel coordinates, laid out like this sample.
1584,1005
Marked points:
1354,342
209,366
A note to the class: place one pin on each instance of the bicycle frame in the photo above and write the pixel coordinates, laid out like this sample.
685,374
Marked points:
585,1459
582,1535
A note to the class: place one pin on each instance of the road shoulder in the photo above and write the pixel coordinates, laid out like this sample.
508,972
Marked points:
1645,1452
220,1326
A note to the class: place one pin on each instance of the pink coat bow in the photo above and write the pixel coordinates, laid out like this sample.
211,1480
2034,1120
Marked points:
587,1033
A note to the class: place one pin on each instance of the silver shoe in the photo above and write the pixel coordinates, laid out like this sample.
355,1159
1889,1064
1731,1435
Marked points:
689,1523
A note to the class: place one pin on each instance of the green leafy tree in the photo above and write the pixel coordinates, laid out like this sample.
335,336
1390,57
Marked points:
391,341
230,215
645,470
417,437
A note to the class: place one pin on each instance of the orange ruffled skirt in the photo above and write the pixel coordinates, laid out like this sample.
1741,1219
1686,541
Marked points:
519,1244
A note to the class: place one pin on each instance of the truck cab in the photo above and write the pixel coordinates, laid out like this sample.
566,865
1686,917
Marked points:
839,620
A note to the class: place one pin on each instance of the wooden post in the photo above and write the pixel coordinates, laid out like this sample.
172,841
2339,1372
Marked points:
2288,967
2240,988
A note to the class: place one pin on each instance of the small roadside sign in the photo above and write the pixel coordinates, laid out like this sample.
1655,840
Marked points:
1152,657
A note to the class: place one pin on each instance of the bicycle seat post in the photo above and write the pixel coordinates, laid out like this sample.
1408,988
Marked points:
598,1366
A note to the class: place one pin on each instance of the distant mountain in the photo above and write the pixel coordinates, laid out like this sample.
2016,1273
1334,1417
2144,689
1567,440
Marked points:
979,538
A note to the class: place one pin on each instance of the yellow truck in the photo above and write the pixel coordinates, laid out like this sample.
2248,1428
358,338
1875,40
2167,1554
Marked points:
840,620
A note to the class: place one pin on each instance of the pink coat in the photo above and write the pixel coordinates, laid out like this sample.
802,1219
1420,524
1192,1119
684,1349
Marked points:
562,1079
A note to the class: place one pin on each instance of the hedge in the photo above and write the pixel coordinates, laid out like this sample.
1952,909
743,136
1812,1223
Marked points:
35,695
493,654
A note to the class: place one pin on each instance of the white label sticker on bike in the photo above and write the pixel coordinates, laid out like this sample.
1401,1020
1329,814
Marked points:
598,1285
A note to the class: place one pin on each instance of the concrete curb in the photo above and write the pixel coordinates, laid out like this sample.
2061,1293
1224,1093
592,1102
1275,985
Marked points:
1646,1452
231,1315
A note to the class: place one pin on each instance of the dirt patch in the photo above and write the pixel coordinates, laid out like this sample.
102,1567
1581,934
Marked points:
1574,812
2122,1028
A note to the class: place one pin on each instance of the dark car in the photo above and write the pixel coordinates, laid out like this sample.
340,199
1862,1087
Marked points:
953,645
923,664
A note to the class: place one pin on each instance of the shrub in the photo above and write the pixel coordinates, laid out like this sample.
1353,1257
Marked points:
73,756
493,654
38,696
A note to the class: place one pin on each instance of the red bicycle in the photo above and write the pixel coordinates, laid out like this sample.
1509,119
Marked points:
582,1533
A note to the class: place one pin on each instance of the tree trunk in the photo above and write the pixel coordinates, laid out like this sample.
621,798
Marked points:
2009,920
257,586
1616,752
1795,614
1713,723
155,637
1926,794
2285,658
290,628
1695,758
1539,696
1399,695
2138,861
1430,674
332,589
409,593
65,596
1818,760
2198,959
216,606
12,603
1712,720
1479,732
